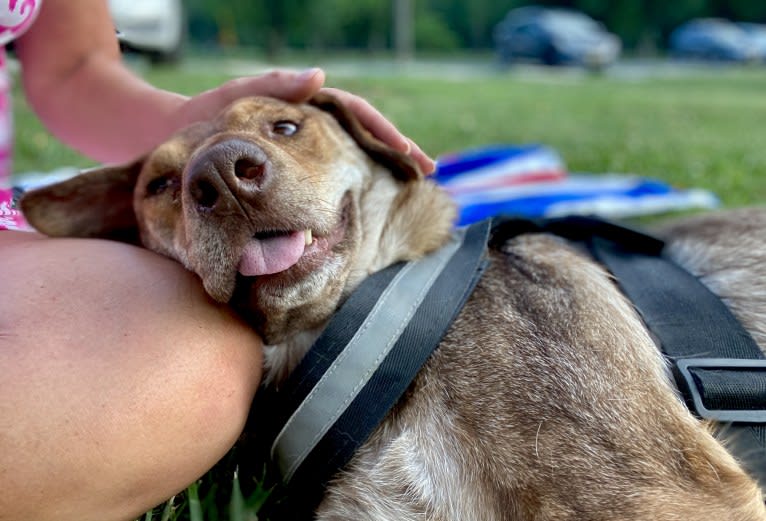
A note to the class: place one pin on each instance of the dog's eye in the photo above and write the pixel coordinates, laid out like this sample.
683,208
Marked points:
285,128
158,185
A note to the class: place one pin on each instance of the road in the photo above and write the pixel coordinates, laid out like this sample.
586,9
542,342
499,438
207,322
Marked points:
627,69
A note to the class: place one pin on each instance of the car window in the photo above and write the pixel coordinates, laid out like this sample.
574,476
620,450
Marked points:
527,30
572,25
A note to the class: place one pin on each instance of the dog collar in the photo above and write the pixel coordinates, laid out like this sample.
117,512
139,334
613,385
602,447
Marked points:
365,360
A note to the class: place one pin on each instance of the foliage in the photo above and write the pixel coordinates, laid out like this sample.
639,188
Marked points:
440,24
692,130
433,33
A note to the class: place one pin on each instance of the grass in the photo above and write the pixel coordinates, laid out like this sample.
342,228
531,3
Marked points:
700,130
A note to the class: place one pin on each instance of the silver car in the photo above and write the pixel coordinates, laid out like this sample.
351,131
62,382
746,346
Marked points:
555,36
156,28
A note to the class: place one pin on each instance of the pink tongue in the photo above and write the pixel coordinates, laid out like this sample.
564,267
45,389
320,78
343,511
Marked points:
272,255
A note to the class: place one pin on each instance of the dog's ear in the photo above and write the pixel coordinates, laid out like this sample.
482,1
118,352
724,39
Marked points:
96,203
402,166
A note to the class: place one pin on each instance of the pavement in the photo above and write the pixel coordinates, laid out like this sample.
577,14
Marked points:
457,69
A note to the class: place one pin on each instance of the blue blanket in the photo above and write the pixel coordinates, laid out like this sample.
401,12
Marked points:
532,180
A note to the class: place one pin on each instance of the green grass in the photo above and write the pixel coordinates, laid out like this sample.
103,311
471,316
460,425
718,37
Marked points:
703,131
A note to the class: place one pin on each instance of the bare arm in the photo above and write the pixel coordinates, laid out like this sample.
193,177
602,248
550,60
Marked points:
74,79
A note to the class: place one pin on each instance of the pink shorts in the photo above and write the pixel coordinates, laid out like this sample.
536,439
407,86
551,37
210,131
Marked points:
10,216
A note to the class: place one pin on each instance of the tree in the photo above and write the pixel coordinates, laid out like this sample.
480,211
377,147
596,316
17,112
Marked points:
404,29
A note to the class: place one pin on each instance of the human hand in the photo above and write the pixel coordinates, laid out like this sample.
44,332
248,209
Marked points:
298,87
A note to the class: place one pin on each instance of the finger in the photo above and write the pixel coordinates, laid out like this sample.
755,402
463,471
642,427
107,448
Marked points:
427,165
372,120
383,129
283,84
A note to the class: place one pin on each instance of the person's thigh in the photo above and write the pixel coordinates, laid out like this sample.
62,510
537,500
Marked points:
120,381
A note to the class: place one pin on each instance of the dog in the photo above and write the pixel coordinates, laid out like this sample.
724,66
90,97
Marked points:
547,398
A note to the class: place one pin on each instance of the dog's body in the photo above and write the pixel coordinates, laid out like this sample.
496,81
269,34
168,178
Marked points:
546,400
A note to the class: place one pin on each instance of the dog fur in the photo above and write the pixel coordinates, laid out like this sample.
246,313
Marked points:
546,400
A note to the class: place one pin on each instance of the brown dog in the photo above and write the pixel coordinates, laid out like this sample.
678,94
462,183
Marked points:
546,400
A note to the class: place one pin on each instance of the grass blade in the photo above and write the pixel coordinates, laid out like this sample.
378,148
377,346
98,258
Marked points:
168,510
195,508
237,503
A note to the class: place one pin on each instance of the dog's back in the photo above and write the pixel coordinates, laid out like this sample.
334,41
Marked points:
728,252
547,399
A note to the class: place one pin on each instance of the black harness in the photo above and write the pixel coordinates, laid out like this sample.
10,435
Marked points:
341,391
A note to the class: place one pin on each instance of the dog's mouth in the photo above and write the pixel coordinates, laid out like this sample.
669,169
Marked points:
275,251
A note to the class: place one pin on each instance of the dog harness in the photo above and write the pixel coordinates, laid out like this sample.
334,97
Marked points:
718,368
361,365
382,335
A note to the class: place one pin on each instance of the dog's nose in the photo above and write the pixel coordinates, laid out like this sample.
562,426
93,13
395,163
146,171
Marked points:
233,165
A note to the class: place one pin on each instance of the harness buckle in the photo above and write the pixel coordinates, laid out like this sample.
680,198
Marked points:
753,410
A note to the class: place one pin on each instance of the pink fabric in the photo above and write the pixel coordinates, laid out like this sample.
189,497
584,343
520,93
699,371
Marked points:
15,17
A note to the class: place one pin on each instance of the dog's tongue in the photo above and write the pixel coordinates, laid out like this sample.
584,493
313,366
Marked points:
271,255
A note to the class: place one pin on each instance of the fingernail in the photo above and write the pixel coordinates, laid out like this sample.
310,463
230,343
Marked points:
431,168
307,74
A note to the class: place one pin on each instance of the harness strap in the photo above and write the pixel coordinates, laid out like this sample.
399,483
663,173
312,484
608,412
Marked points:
365,360
720,370
717,366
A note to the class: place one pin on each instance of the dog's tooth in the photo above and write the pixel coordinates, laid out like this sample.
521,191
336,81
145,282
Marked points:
308,237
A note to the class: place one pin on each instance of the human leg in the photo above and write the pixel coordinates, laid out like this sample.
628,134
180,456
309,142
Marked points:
120,381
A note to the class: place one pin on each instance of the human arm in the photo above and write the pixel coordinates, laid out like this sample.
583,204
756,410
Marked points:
75,80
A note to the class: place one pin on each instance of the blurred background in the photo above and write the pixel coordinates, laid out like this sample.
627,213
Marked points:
729,30
674,91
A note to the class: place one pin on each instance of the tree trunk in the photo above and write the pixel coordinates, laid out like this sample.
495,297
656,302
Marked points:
404,29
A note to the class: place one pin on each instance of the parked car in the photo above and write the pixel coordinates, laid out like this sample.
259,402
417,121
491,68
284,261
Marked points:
712,39
757,35
156,28
555,37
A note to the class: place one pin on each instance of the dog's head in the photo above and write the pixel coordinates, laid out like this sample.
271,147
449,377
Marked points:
269,204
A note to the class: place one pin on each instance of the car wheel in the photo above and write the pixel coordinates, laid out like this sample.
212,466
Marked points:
505,58
550,56
167,57
174,53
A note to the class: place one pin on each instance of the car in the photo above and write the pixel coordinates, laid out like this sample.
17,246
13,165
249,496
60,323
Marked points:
555,36
712,39
155,28
757,35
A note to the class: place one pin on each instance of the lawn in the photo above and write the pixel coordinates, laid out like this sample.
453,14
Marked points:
702,130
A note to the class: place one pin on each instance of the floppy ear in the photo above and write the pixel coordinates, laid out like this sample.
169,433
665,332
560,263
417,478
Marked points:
96,203
402,166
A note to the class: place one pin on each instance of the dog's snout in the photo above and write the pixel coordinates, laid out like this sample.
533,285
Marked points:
233,165
248,169
205,193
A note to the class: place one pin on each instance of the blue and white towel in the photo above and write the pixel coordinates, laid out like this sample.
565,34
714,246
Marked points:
532,180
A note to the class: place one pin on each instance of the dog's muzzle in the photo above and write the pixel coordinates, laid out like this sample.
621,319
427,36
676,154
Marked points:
230,168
